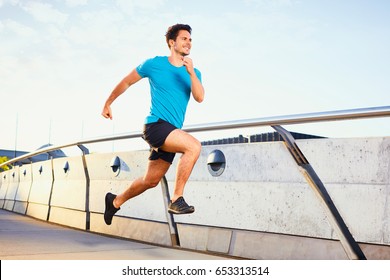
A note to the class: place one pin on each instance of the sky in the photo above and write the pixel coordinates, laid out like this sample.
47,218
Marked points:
59,61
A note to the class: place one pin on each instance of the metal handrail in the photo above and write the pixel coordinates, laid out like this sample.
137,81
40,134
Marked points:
360,113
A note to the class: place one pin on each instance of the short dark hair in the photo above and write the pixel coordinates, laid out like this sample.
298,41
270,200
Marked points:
173,31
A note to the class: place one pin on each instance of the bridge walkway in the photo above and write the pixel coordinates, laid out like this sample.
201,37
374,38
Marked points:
26,238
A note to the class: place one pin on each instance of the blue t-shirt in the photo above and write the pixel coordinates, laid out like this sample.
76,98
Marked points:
170,89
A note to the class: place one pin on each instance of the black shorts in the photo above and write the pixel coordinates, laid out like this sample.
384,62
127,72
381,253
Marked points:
155,135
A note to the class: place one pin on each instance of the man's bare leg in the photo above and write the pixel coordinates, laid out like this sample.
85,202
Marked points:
154,173
179,141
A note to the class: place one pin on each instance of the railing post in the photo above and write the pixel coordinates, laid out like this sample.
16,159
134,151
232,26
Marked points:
85,152
51,189
171,221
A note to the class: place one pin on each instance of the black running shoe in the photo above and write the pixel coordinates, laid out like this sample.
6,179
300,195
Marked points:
110,210
180,206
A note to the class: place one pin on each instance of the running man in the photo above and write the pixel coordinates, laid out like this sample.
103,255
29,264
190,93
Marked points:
173,79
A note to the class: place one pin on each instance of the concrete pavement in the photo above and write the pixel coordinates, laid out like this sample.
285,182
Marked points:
26,238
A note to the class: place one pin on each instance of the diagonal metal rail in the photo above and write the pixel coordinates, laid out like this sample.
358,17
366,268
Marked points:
349,244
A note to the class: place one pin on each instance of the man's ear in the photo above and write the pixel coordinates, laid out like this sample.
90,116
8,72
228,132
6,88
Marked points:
171,43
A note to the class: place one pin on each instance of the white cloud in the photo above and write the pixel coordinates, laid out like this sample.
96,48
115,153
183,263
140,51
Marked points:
45,13
19,29
12,2
132,7
270,4
76,3
96,28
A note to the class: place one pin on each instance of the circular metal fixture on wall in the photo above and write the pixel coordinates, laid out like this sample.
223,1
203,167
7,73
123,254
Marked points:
216,163
115,165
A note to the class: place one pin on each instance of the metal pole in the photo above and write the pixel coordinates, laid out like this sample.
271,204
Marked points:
16,134
171,221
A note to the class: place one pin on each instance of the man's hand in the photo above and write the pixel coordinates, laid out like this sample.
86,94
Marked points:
196,86
107,113
120,88
187,62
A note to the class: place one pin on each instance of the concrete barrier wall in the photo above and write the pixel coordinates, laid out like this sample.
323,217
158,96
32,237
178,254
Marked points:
69,194
41,188
4,179
261,189
259,207
357,175
2,192
12,188
24,188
